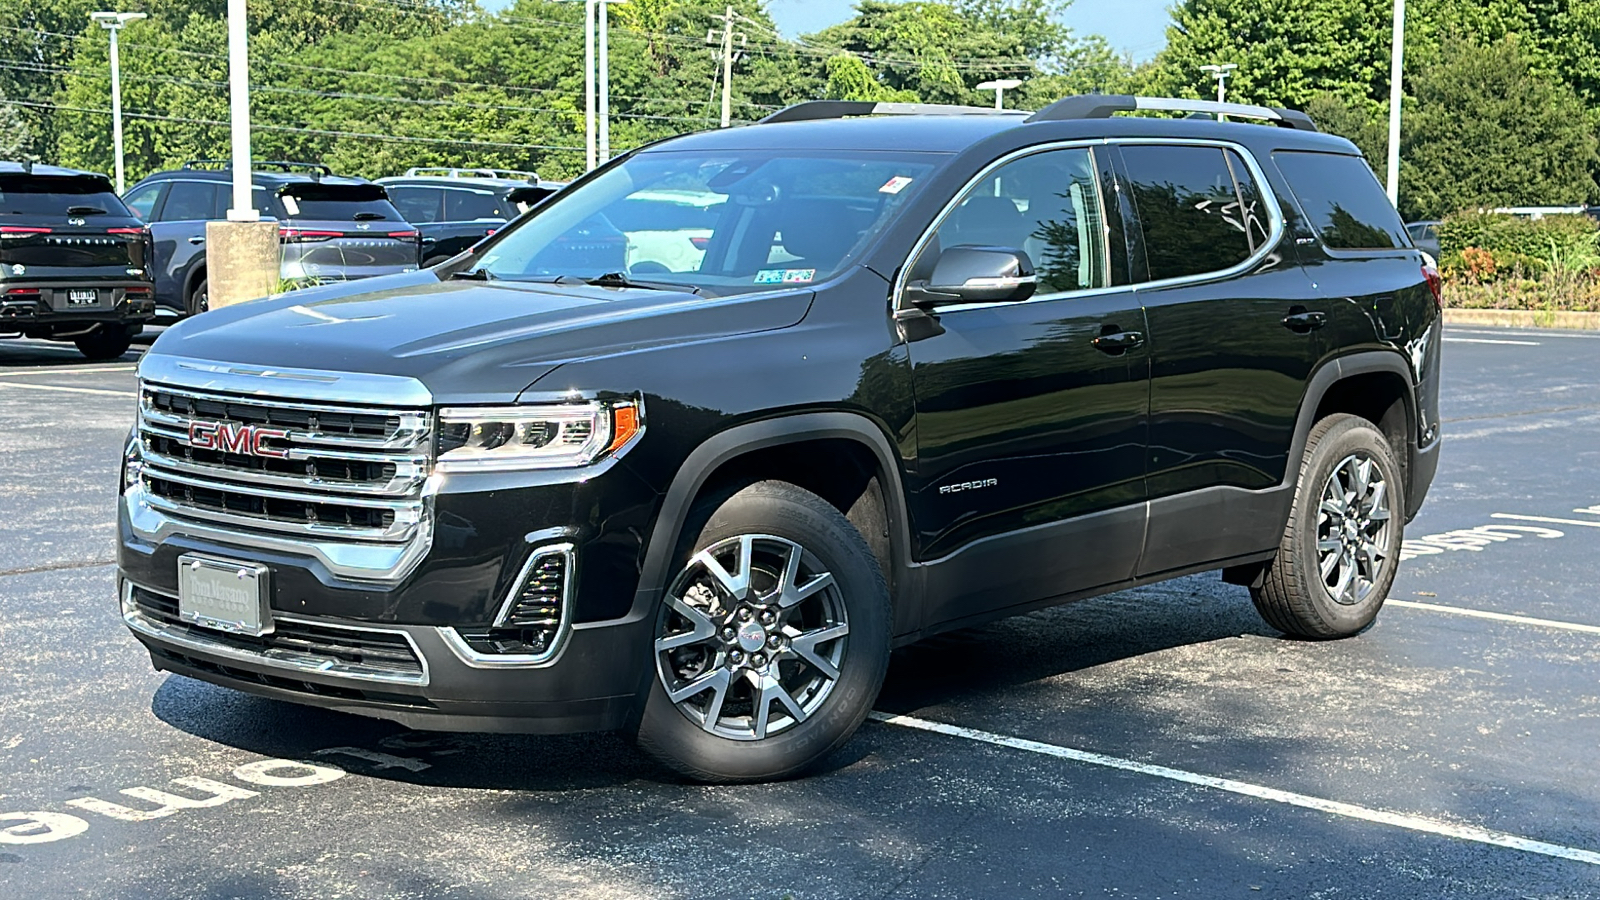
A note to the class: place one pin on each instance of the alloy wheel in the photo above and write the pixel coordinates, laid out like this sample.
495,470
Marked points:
1353,529
751,637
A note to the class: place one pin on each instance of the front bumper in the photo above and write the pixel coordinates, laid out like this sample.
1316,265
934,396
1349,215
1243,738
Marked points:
591,686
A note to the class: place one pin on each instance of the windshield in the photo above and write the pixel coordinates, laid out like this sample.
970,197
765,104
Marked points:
726,223
57,196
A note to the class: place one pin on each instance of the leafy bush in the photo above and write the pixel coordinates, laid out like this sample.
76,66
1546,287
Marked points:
1566,242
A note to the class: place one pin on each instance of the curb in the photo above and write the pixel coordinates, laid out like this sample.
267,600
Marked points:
1523,318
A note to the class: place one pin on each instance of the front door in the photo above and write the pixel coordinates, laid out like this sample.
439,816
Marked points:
1030,416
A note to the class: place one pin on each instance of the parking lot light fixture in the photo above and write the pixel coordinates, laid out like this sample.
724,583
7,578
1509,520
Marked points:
114,22
1000,86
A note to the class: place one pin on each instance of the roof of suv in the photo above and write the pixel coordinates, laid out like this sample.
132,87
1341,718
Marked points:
469,181
8,167
315,173
953,129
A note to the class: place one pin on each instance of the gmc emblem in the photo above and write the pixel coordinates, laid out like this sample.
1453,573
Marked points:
233,437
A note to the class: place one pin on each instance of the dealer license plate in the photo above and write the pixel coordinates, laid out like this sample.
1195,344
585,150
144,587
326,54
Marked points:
223,594
83,298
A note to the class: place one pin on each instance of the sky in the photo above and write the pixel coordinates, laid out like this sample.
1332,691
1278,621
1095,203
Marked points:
1138,27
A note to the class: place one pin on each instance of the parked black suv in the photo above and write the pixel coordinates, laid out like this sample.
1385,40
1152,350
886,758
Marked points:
74,262
456,208
333,228
929,370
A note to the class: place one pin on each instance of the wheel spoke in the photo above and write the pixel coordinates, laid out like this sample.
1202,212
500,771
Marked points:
804,645
1330,561
1324,546
737,587
1360,475
794,594
716,679
1347,573
703,627
768,689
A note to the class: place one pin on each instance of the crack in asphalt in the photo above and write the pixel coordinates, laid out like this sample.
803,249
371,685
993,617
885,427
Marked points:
57,567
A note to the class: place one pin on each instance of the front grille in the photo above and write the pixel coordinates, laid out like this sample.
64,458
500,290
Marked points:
361,652
276,466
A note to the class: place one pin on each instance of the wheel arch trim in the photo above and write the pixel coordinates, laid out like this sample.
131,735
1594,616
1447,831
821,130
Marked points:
1336,370
726,446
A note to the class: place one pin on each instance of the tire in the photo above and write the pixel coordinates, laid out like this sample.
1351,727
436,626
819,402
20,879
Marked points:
775,544
105,343
199,299
1348,463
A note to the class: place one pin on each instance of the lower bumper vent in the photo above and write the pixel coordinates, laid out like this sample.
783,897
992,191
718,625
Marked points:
533,620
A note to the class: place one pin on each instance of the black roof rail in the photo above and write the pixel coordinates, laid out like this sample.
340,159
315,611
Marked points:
1101,106
839,109
279,164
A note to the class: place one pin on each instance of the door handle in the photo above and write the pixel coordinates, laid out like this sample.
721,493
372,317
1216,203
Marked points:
1118,342
197,240
1302,321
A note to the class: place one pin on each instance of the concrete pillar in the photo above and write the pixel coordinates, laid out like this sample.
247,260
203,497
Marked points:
241,261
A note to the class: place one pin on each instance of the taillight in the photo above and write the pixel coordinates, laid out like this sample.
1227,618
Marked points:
137,293
298,235
700,243
125,231
1430,274
490,232
403,235
21,231
24,293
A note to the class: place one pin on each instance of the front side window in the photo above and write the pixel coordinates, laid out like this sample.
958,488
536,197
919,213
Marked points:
1342,198
724,223
1199,210
419,205
143,200
190,201
1046,205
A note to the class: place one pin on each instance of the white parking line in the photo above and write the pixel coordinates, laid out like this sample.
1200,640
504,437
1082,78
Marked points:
1488,341
1498,617
1544,519
64,370
1586,335
68,390
1333,807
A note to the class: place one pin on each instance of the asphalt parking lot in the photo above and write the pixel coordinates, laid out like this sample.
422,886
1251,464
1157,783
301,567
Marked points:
1160,742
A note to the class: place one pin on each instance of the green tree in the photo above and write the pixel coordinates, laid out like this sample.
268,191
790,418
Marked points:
16,137
1489,130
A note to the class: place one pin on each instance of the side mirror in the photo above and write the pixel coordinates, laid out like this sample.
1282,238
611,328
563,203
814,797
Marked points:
971,274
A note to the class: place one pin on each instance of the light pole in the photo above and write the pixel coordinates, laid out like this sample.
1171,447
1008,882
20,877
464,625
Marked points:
999,86
605,79
1221,73
1395,66
113,22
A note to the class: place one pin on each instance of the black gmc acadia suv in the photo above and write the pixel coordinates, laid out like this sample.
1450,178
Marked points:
74,262
331,227
930,367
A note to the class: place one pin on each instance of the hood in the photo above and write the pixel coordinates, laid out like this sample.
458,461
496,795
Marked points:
467,341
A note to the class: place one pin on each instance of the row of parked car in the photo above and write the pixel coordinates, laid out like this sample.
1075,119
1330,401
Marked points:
79,263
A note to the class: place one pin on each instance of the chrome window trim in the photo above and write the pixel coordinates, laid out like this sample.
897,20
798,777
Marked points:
1269,198
286,383
1274,211
955,201
285,661
463,651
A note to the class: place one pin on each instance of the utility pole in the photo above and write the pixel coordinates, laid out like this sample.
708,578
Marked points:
113,22
1221,73
1395,68
243,208
728,37
999,86
588,85
605,79
242,252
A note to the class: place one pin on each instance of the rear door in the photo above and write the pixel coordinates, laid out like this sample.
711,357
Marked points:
1234,335
336,232
1030,427
179,232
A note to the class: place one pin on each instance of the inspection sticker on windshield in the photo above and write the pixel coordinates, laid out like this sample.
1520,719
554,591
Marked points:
895,185
785,276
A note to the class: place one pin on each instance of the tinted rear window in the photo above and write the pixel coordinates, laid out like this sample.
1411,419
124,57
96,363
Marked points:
58,196
337,202
1347,207
1196,218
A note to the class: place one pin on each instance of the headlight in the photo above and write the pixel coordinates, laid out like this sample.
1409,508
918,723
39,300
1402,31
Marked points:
537,436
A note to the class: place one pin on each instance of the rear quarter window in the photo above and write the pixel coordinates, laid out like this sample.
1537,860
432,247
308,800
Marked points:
1343,200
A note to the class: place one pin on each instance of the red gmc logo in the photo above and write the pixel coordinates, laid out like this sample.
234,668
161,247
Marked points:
232,437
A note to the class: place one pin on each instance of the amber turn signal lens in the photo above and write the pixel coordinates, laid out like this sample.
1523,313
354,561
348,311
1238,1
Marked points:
624,425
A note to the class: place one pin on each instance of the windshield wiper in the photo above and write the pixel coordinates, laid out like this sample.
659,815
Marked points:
478,274
85,211
624,280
